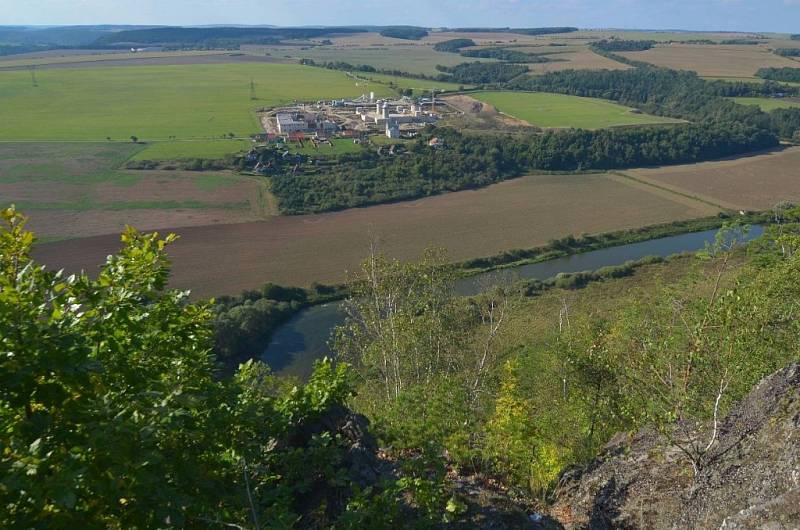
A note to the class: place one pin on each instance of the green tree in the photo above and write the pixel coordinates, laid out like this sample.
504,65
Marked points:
113,415
688,353
403,328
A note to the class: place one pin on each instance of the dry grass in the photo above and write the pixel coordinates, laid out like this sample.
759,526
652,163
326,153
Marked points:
44,61
755,182
712,61
299,250
155,200
584,59
76,190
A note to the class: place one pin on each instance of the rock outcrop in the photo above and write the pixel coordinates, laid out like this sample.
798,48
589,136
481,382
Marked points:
750,478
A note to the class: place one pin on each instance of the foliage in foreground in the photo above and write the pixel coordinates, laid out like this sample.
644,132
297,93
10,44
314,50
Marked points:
112,414
665,356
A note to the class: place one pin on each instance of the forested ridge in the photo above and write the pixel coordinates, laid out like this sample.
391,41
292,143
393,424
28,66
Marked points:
519,31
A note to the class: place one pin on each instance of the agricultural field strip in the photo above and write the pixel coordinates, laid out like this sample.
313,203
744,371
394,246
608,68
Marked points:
711,60
520,213
75,189
756,182
9,62
768,104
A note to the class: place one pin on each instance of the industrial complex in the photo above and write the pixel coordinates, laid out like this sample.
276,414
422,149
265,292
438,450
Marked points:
353,118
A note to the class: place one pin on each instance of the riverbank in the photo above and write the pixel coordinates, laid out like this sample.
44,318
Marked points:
305,336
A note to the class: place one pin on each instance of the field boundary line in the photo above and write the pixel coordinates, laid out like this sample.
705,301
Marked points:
673,191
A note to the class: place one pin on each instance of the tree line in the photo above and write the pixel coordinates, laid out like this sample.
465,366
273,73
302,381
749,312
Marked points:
180,36
785,74
787,52
673,93
453,45
478,73
505,54
472,161
404,32
519,31
615,45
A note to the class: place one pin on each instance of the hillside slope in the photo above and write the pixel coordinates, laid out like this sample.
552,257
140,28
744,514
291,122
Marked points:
751,478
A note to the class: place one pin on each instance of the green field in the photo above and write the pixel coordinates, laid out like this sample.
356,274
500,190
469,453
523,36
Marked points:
768,104
179,149
184,102
557,110
340,146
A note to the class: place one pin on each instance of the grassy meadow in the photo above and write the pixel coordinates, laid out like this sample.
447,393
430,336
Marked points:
557,110
158,102
340,146
176,149
768,104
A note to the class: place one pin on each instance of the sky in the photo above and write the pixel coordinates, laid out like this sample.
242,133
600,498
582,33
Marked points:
707,15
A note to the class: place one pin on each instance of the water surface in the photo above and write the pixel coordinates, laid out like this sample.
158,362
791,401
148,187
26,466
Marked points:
305,338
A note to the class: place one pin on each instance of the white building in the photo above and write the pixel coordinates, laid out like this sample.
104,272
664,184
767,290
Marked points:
288,124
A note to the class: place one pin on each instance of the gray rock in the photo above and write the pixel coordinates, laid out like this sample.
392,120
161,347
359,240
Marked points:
750,479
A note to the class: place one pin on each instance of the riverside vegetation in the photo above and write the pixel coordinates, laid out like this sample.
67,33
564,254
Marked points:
116,373
466,376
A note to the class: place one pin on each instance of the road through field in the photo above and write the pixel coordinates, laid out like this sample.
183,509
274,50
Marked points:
298,250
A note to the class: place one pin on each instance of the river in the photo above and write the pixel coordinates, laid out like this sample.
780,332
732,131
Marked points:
298,343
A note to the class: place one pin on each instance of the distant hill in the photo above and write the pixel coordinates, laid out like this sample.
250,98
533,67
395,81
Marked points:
214,36
62,36
519,31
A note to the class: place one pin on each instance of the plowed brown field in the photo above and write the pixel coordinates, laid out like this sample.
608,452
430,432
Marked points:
525,212
755,182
